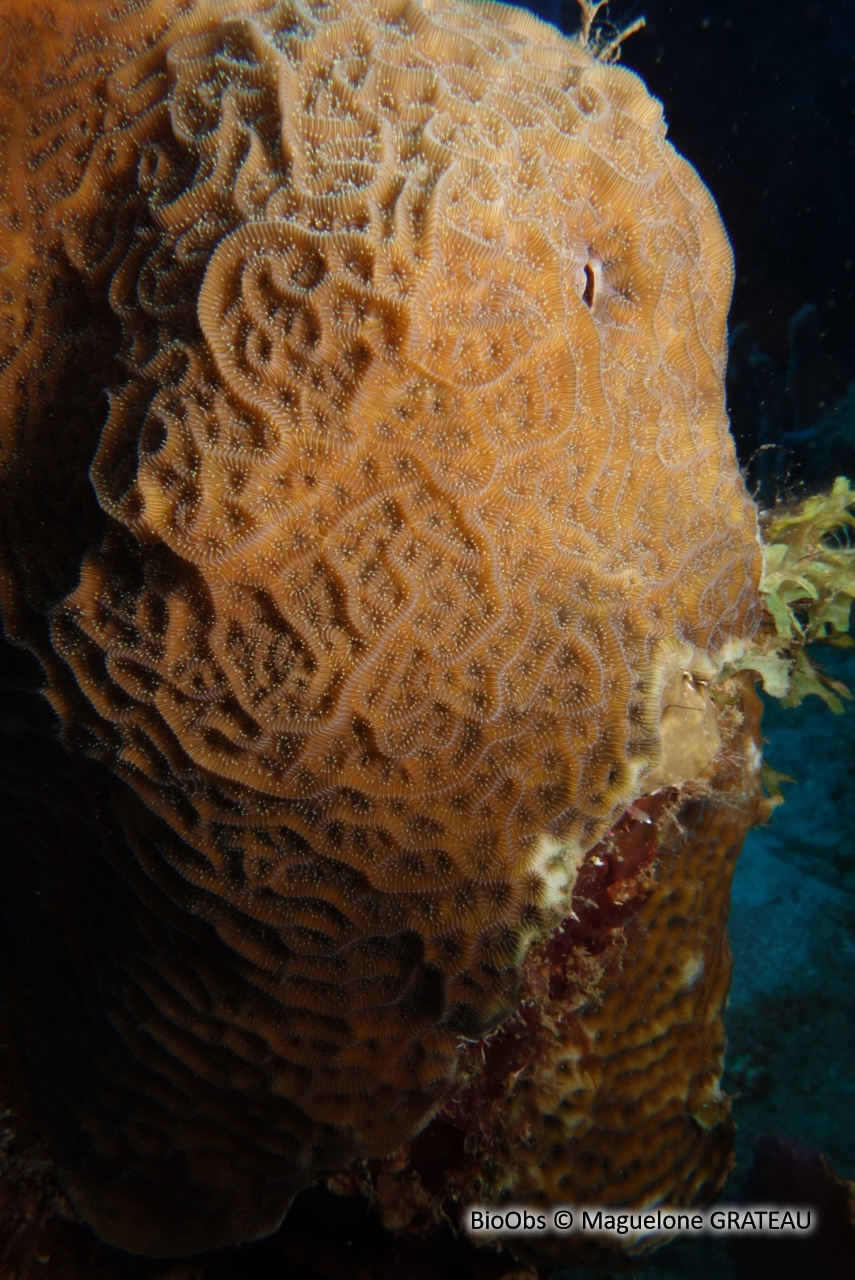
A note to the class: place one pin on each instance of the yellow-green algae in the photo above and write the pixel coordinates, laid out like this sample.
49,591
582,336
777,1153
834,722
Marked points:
808,587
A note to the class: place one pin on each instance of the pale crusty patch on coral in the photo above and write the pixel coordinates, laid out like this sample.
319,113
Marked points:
415,470
625,1105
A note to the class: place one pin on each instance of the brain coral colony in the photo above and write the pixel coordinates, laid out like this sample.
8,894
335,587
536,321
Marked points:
369,503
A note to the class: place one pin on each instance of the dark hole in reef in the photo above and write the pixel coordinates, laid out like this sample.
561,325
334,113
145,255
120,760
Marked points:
588,295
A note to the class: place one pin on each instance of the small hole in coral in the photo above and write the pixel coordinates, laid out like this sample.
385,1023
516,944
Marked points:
588,295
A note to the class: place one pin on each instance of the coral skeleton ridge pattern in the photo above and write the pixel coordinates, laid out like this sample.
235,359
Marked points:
366,487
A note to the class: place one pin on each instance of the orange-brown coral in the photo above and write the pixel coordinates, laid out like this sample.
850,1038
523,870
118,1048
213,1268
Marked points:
366,487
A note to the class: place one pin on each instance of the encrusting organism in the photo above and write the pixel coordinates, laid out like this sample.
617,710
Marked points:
368,499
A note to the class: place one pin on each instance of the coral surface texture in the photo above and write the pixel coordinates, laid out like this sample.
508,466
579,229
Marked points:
368,500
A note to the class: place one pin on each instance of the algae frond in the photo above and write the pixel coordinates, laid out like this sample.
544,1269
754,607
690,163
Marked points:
808,587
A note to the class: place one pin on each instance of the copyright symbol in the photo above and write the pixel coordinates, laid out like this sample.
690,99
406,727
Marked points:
562,1219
